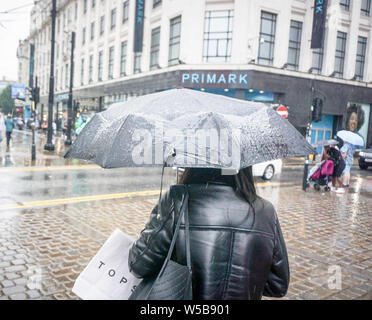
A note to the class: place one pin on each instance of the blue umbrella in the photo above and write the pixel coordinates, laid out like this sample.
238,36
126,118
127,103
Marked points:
351,137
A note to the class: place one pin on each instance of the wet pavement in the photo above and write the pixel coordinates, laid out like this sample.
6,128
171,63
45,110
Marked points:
56,213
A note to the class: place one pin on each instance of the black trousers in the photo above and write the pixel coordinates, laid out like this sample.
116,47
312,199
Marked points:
8,137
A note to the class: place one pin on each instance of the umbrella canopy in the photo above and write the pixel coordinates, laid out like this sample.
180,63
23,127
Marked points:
199,129
351,138
323,143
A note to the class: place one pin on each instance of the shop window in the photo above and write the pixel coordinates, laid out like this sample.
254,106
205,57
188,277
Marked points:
267,34
217,36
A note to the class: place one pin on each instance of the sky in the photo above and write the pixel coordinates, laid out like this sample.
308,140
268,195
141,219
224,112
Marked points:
14,26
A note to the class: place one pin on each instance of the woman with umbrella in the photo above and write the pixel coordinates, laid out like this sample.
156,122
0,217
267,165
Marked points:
236,246
351,142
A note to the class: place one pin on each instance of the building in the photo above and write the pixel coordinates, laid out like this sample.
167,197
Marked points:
248,49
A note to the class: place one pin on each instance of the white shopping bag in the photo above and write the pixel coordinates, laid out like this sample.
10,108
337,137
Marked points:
107,275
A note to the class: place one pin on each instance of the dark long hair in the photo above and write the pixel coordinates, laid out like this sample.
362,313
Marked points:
242,182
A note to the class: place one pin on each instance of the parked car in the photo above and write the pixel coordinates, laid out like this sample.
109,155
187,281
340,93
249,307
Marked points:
365,158
267,170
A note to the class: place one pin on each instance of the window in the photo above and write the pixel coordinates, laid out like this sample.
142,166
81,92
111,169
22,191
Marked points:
113,18
340,54
57,79
345,4
90,68
93,3
111,63
125,11
360,58
174,41
100,58
155,45
85,6
83,35
76,10
102,25
366,7
317,63
217,36
294,45
137,62
58,25
92,31
155,3
267,38
82,72
123,58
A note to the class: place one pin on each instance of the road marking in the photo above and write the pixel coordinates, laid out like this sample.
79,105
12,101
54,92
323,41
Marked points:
100,197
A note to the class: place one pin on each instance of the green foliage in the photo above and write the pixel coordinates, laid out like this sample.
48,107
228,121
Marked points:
6,101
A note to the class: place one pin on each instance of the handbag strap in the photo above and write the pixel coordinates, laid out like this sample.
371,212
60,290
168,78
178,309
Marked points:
184,207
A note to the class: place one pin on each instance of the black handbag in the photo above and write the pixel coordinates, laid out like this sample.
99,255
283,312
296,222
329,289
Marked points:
174,281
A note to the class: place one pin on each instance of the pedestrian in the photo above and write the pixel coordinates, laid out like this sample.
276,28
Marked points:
2,127
333,153
9,126
347,152
236,243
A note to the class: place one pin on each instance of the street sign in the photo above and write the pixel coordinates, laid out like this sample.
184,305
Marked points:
283,111
18,91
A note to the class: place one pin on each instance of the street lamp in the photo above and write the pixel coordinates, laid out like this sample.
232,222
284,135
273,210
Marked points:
69,110
49,145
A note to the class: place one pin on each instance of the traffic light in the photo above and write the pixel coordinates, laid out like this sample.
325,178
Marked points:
35,95
316,110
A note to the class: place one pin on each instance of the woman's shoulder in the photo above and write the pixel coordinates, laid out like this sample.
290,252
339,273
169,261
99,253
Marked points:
263,205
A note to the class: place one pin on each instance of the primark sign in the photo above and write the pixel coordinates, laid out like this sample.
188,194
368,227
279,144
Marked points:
215,79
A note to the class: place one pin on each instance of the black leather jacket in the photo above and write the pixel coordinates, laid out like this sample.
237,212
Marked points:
235,253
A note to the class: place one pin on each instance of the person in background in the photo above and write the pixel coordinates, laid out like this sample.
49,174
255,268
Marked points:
332,153
9,126
2,127
347,152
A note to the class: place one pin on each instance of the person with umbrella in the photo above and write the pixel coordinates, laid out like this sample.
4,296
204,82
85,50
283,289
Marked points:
237,249
351,142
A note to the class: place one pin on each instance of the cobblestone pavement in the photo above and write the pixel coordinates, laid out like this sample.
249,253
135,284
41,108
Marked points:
43,250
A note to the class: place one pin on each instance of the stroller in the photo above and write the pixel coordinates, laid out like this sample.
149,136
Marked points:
321,174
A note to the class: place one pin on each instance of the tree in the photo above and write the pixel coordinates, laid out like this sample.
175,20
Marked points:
6,101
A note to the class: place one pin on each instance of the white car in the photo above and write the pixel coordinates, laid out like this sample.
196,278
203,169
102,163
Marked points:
266,170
